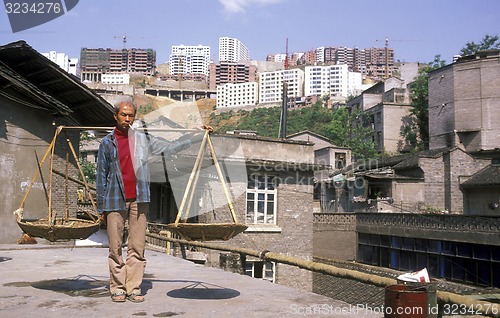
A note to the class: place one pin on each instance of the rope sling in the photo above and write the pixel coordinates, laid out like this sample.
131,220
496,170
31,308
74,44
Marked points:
57,228
204,231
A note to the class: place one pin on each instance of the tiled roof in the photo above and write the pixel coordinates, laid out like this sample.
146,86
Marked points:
30,79
488,176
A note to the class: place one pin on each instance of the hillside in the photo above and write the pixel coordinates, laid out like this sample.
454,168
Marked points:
266,121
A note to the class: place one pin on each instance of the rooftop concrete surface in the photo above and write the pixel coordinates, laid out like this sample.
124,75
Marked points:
71,281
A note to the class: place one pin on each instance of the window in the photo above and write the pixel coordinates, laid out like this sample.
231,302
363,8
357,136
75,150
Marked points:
261,199
260,269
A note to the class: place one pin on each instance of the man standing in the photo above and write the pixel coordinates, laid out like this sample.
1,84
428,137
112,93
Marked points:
122,183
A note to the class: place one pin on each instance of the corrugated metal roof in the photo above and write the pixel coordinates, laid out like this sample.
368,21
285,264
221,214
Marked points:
32,80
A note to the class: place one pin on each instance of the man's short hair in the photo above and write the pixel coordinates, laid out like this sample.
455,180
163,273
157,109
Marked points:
124,99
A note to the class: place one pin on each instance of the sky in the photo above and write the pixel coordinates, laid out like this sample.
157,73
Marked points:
417,30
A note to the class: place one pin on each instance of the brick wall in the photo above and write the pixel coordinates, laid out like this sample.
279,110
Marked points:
442,184
294,218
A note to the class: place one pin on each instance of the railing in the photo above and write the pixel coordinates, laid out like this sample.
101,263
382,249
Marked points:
443,222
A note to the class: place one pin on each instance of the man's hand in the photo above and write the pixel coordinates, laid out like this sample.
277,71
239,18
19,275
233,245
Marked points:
103,219
207,127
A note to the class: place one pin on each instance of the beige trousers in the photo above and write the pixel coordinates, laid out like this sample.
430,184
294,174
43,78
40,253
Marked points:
126,275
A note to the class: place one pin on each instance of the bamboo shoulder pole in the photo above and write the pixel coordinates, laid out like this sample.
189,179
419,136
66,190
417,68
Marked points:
152,129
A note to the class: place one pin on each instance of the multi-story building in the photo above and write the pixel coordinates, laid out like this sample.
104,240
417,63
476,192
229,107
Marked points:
373,62
237,95
276,58
464,104
186,59
271,85
115,79
387,105
70,65
231,72
331,80
96,62
232,50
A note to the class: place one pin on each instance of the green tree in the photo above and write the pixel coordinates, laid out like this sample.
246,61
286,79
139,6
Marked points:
487,43
352,129
88,168
419,97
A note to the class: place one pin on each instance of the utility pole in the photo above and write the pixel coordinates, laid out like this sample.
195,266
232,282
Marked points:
284,106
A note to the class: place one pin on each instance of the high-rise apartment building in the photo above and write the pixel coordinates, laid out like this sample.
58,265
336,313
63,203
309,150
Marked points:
372,62
237,95
271,85
231,72
331,80
232,50
96,62
186,59
70,65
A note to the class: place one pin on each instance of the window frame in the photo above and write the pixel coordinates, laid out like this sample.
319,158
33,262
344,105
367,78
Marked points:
261,196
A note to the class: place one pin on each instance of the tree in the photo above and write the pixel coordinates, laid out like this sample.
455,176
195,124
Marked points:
419,97
351,129
487,43
88,168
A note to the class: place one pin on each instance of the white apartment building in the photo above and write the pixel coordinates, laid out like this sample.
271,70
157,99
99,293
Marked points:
331,80
232,50
271,85
190,60
320,54
276,58
64,62
115,79
237,95
74,67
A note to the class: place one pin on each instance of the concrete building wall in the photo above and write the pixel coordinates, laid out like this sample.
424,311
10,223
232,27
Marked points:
476,201
335,239
393,116
441,109
477,101
404,192
464,103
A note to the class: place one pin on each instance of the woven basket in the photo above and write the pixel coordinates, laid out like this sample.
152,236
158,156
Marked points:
62,229
207,232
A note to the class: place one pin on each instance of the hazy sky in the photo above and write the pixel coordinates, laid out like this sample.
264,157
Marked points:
417,29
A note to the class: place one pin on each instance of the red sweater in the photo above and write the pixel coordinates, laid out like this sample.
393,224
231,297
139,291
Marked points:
126,164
